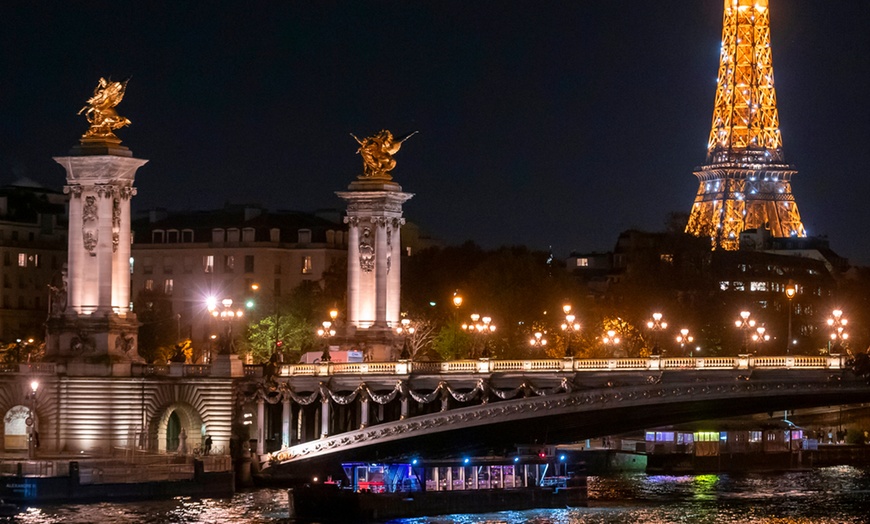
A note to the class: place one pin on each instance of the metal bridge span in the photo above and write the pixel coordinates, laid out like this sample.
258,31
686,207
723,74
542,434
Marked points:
378,411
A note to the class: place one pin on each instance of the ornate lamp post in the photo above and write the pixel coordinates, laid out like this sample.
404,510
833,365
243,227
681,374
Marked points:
538,340
746,324
32,428
760,336
405,330
685,338
610,338
569,326
837,323
656,324
481,326
790,292
325,333
225,314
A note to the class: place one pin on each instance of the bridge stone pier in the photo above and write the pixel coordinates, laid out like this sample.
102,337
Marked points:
312,414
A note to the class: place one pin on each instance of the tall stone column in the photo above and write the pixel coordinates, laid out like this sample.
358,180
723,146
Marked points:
261,426
353,267
286,427
382,268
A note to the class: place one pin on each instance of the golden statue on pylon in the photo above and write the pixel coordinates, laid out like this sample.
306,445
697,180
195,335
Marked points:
377,153
101,113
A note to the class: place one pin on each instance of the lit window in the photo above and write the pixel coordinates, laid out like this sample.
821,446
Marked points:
306,265
33,260
149,284
667,258
167,286
22,260
724,285
582,262
758,286
208,263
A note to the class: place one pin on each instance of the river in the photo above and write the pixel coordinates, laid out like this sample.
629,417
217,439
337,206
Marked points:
825,495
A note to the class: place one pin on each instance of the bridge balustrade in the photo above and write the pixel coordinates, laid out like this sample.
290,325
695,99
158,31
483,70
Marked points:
405,367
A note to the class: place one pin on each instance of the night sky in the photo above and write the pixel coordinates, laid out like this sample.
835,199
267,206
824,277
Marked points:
544,123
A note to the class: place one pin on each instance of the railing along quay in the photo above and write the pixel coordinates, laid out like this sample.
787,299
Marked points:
566,365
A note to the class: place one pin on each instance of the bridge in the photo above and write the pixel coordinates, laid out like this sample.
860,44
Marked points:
334,412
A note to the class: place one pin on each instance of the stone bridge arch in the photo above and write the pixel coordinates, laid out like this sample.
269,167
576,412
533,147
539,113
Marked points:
189,419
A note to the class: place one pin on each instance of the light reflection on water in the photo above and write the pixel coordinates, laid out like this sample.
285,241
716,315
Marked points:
822,496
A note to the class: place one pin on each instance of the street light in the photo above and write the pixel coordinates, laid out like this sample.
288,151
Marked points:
746,324
685,338
224,313
538,340
570,326
790,292
482,326
405,330
760,336
656,324
837,323
32,428
325,333
610,339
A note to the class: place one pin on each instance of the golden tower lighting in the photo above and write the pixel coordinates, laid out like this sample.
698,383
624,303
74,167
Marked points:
745,182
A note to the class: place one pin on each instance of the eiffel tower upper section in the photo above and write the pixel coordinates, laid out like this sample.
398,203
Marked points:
745,183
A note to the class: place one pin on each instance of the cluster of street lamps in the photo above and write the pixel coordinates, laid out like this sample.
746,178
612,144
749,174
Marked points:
569,326
223,311
837,322
480,326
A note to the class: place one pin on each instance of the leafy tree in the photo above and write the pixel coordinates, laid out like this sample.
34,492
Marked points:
452,343
294,334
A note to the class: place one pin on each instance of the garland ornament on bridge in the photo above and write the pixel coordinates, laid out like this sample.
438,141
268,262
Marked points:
279,392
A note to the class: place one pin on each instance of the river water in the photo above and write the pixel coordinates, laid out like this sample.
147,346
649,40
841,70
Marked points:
826,495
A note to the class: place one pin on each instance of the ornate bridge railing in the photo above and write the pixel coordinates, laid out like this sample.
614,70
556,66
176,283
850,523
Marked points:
407,367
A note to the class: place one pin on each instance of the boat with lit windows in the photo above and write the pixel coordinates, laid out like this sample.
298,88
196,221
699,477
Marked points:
544,478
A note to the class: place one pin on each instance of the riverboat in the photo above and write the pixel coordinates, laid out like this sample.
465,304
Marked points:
382,491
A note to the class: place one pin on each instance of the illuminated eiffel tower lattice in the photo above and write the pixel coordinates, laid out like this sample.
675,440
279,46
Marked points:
745,182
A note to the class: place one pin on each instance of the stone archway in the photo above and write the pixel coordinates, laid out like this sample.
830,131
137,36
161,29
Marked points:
15,428
173,419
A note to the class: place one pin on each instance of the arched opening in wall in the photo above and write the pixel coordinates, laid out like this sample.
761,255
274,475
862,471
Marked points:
15,428
173,429
166,428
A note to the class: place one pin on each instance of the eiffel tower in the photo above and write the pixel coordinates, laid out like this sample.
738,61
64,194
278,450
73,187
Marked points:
745,182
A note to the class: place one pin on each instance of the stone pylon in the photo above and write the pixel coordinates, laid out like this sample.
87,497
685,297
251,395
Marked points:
374,218
90,319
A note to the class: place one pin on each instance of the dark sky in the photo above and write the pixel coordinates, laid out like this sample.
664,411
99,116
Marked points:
541,123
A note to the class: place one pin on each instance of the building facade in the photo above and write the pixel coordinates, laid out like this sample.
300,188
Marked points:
33,238
245,254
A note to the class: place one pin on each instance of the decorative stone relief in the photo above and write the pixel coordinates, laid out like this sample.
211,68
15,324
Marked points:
74,191
90,235
116,224
125,342
366,250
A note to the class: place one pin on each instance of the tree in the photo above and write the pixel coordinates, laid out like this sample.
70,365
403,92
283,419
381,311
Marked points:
285,330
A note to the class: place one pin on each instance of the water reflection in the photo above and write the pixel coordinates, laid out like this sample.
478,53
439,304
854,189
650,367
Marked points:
821,496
